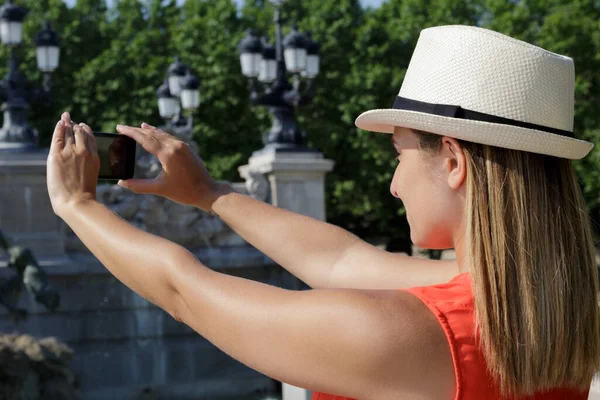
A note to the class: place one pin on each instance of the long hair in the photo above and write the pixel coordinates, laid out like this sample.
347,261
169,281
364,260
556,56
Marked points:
533,271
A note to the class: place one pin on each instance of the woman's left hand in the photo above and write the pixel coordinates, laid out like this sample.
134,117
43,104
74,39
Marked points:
73,164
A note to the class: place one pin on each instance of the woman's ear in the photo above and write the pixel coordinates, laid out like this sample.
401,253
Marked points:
455,162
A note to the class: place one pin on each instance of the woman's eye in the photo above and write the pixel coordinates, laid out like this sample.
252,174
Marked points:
398,154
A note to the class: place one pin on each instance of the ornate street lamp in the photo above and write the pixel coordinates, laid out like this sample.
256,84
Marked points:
190,91
176,73
264,64
11,23
312,58
179,93
16,93
250,54
47,52
295,51
168,105
268,64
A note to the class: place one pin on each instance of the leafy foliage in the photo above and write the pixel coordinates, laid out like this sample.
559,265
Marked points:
113,60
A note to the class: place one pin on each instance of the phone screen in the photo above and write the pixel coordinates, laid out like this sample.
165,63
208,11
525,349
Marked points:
117,156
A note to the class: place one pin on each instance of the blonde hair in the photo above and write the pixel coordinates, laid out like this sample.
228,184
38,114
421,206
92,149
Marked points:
533,270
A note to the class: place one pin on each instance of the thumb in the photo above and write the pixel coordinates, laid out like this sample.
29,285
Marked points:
141,186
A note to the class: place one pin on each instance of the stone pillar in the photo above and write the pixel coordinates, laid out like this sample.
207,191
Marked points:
26,215
294,181
291,180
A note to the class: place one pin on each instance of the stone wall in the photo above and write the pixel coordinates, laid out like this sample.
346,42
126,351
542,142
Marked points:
125,346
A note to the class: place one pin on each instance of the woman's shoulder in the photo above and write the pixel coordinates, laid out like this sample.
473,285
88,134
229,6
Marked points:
447,296
451,309
423,355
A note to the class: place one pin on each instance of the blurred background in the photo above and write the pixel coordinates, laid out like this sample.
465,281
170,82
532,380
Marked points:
116,58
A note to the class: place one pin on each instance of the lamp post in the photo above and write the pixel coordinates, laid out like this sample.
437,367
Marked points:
264,64
179,95
16,93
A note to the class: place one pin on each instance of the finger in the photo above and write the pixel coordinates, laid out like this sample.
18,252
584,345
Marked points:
66,118
90,138
147,126
154,131
148,141
142,186
69,136
58,138
165,139
80,140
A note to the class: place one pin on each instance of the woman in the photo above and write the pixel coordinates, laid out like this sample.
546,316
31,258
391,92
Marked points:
483,130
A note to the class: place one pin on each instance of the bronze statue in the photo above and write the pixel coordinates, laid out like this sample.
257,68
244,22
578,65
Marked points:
29,276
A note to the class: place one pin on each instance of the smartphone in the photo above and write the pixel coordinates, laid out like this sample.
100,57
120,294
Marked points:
117,156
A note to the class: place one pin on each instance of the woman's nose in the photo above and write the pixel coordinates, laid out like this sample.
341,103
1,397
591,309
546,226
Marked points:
394,192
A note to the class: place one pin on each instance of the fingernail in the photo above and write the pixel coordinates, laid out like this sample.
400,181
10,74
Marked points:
119,126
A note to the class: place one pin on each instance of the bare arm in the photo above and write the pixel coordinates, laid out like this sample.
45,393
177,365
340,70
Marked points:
138,259
349,342
321,254
362,344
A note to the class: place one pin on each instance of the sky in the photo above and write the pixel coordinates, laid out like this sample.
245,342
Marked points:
366,3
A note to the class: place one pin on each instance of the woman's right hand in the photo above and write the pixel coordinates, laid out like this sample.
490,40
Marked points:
183,179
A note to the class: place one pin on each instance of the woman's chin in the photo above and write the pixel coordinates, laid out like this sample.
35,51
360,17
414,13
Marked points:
428,242
417,240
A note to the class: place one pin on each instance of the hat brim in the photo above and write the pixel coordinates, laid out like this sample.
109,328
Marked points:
492,134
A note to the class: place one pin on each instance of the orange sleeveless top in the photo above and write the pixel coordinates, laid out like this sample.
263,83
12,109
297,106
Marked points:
452,304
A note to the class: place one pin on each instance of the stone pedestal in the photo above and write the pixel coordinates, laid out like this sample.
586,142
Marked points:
291,180
294,181
26,215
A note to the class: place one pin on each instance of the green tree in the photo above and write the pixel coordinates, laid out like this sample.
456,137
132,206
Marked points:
377,59
118,85
225,125
571,28
113,60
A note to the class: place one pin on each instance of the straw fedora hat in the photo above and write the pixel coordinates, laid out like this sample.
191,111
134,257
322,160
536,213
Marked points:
481,86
